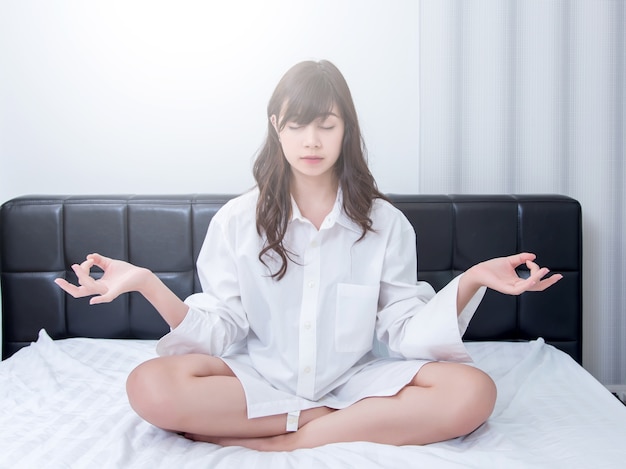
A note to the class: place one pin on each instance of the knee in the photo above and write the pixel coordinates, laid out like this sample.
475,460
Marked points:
474,402
149,393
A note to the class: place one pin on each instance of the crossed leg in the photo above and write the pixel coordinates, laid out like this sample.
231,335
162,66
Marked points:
200,396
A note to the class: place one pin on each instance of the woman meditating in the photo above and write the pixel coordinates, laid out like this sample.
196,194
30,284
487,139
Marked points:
312,327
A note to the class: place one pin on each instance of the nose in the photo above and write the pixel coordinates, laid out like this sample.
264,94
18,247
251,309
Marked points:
311,137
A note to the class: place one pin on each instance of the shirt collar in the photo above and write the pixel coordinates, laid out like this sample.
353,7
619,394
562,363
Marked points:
336,215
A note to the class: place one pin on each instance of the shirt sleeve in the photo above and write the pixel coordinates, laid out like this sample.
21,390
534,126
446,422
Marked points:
216,318
413,320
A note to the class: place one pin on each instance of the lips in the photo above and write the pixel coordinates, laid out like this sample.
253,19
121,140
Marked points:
312,159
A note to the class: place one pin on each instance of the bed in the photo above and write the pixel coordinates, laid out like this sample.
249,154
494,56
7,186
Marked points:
64,365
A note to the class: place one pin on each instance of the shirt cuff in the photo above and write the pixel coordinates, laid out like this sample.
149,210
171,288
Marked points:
468,312
435,332
188,336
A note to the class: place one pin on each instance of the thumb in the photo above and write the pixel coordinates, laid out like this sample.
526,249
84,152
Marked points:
99,299
99,260
522,258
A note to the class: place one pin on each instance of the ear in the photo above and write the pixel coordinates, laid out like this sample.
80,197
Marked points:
274,123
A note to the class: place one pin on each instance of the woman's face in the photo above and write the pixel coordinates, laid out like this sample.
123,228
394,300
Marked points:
312,149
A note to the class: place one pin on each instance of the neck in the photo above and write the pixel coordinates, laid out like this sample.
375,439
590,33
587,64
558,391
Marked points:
315,198
305,188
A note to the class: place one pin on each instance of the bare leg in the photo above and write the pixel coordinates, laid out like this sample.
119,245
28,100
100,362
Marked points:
443,401
199,395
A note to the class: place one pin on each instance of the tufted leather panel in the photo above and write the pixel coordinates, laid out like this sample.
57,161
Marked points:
42,236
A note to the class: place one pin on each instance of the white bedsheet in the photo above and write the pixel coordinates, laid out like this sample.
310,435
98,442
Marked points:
63,405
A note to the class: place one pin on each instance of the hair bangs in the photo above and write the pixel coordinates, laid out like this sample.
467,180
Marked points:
309,99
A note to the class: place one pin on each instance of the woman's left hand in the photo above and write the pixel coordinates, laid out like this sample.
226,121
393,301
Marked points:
499,274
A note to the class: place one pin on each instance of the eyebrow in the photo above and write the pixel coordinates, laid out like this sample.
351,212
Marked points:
323,116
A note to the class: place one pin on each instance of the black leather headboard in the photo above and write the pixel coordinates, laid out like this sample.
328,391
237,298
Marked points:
42,236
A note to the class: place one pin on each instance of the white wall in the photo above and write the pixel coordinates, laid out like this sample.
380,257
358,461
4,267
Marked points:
170,96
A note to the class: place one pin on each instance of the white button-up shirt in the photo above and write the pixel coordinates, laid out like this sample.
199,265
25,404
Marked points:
297,342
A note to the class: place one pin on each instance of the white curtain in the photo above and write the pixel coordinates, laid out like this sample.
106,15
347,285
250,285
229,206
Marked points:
528,96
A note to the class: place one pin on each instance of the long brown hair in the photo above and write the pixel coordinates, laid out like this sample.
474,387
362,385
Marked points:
307,91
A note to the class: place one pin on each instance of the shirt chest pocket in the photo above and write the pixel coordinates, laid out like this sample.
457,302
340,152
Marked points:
355,318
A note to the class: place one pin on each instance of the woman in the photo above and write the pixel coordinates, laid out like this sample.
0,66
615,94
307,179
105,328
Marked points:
312,327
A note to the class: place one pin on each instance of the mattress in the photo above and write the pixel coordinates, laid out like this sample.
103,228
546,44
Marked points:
64,405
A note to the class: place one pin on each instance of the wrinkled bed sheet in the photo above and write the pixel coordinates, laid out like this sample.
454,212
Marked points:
64,405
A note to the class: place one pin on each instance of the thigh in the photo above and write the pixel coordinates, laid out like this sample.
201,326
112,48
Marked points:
171,376
447,374
190,365
463,395
185,392
200,396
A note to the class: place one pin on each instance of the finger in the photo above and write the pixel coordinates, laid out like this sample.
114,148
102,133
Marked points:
529,283
65,285
522,258
99,260
88,284
82,270
548,282
532,266
537,274
81,274
87,264
69,288
528,256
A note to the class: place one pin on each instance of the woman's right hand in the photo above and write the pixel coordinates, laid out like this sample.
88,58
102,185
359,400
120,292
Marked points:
119,277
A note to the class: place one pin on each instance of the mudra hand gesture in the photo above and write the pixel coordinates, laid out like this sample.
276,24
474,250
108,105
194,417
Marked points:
499,274
119,277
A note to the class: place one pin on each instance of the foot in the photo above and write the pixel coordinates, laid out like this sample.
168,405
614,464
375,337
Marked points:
286,442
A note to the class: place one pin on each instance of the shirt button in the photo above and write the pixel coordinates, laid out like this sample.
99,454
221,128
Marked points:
311,284
307,325
307,369
314,244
